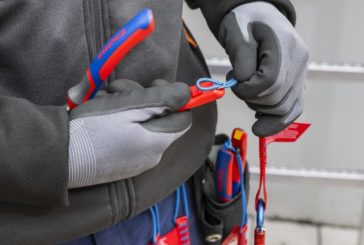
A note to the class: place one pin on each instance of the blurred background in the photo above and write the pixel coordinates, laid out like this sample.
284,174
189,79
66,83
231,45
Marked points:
316,193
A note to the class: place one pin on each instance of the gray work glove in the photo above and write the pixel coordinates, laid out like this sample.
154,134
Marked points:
123,133
269,60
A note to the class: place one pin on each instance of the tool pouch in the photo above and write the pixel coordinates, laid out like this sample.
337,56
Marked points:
216,218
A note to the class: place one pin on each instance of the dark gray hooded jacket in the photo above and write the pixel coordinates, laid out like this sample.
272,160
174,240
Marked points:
45,48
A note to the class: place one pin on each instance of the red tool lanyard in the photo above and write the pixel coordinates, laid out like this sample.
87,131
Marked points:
290,134
261,203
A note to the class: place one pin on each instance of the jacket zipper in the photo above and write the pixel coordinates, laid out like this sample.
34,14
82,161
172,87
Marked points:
97,31
98,23
94,26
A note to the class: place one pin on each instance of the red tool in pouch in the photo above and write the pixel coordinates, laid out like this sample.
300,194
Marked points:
239,140
290,134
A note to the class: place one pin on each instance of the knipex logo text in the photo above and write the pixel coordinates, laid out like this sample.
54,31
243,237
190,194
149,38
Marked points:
111,43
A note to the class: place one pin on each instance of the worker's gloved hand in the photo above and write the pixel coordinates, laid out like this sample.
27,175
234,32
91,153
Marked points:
124,132
269,60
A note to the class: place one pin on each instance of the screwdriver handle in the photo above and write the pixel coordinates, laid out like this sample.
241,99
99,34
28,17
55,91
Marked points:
133,32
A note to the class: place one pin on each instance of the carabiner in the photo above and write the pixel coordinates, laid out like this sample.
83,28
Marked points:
260,215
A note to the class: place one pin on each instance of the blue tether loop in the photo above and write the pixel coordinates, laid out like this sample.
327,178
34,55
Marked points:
181,189
156,223
185,200
158,219
242,189
176,207
216,84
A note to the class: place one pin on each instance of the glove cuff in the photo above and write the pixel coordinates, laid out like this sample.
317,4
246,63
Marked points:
82,158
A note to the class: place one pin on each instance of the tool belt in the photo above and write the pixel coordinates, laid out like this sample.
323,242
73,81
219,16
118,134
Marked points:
216,218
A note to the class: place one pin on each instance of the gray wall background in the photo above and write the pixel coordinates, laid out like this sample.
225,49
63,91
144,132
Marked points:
333,31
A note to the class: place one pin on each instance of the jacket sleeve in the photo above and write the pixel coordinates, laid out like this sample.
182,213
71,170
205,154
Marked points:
33,153
215,10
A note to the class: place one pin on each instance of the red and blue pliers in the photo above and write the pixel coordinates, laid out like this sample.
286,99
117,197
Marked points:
133,32
127,37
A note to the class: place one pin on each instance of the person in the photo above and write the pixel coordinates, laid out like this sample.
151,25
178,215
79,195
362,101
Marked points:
68,175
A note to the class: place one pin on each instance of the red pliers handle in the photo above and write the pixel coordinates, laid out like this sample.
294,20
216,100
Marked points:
199,97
